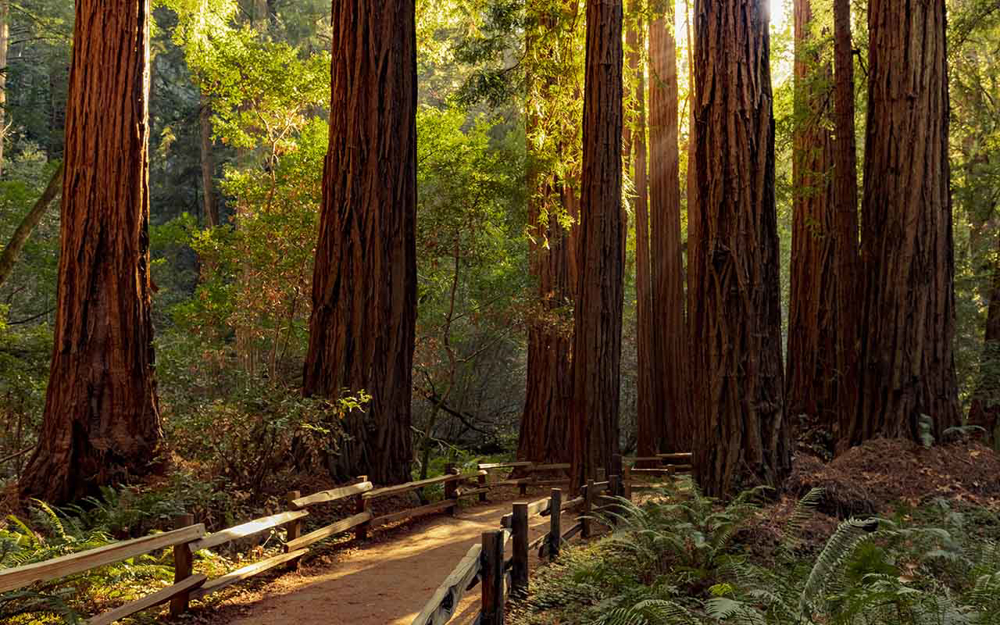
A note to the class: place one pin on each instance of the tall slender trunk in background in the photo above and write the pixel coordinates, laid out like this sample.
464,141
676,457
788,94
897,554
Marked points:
552,250
101,421
670,336
4,47
598,319
742,438
845,196
649,418
361,331
810,383
908,367
211,210
985,408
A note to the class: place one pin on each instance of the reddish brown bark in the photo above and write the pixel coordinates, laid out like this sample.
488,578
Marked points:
546,419
845,194
361,331
101,421
648,419
741,439
670,339
598,318
908,367
810,383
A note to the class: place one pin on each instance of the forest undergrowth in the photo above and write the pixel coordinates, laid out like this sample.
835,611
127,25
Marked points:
888,533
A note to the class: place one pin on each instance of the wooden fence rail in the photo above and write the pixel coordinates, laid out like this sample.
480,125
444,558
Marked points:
482,564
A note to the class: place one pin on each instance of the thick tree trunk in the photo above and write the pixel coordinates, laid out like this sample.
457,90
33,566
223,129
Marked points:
101,420
741,439
845,195
552,249
10,253
670,338
811,391
649,419
211,210
364,285
985,408
909,307
598,319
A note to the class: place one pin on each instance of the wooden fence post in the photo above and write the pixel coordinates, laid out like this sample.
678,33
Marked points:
451,488
616,465
293,529
555,531
588,506
482,485
183,565
493,599
361,505
519,565
627,482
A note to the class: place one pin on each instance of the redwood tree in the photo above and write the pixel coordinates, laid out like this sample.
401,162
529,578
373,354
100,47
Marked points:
908,368
648,417
361,331
812,320
741,435
598,318
984,410
101,421
670,340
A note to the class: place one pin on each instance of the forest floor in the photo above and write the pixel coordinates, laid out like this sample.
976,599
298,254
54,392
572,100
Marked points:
384,581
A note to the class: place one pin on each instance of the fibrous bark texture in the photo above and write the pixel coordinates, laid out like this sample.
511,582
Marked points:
845,195
668,325
545,422
598,318
735,300
908,368
812,320
4,47
648,418
361,331
101,419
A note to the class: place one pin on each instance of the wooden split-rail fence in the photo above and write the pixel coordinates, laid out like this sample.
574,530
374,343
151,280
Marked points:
502,577
189,537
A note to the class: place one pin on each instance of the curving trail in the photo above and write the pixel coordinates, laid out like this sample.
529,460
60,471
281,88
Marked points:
385,583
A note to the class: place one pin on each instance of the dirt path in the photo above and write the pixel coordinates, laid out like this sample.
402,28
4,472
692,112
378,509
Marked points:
383,583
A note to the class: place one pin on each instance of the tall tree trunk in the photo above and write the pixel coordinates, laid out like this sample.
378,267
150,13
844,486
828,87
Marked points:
361,332
552,249
211,210
10,253
598,319
985,408
670,338
648,417
101,420
845,196
909,307
742,439
811,392
4,47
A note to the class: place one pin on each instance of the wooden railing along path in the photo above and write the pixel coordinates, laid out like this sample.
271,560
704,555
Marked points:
190,537
485,563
